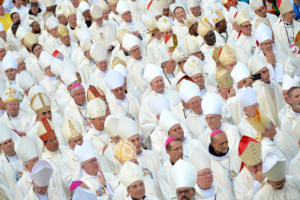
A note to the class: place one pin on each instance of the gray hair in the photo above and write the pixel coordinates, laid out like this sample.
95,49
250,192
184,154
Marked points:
267,127
76,88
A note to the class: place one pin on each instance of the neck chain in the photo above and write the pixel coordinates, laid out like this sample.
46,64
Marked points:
225,38
228,171
18,173
11,121
167,76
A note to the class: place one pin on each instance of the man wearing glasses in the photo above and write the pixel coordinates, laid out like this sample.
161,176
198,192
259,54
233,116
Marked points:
278,184
246,43
205,186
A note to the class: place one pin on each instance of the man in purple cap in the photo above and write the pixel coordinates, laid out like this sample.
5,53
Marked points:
225,162
175,151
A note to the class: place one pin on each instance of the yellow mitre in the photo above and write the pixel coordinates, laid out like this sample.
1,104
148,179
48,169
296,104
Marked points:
69,10
125,151
62,31
189,21
151,23
249,150
223,78
95,92
242,16
227,55
71,129
117,61
112,2
30,39
215,54
203,28
78,27
259,123
121,34
40,102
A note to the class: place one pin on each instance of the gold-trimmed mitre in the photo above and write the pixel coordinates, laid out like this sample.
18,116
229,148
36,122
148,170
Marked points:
112,2
223,78
46,130
71,129
121,34
62,31
203,28
189,21
40,102
242,16
69,10
30,39
227,55
95,92
250,150
124,151
117,61
215,54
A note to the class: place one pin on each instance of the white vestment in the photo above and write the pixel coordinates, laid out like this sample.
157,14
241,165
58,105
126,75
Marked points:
295,167
33,66
79,113
282,113
221,192
180,29
245,48
67,51
86,70
98,139
52,44
77,56
164,179
196,124
98,79
44,37
109,162
52,194
21,124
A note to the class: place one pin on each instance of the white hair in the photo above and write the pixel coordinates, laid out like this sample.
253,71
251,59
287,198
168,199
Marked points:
267,127
76,88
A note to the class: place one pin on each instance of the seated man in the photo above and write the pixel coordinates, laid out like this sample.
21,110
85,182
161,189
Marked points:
260,12
97,180
84,13
9,66
278,183
225,162
154,76
222,32
212,108
114,15
67,47
206,187
54,42
87,66
251,177
179,28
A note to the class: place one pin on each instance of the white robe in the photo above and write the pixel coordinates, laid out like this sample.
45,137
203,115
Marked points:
67,51
97,79
244,188
109,162
7,192
232,39
147,117
167,189
97,140
196,124
137,68
86,70
282,113
272,19
33,66
44,37
221,192
22,11
291,190
245,48
9,171
134,26
52,193
52,44
152,50
20,125
181,112
231,131
50,87
180,29
77,56
118,52
295,167
225,166
116,17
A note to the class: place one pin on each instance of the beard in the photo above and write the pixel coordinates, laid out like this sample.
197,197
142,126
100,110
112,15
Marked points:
185,198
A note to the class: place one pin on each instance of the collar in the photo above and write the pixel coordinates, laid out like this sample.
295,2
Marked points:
82,106
211,153
208,193
139,60
99,132
288,25
2,112
184,142
129,24
140,155
52,153
197,115
52,78
14,118
12,158
122,102
103,73
12,82
157,93
91,62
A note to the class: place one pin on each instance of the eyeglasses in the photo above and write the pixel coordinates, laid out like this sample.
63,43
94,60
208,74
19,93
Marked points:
92,161
210,118
135,50
205,174
249,25
52,140
181,192
177,149
78,95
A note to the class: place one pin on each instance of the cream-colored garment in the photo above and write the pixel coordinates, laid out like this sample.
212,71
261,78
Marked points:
8,172
50,87
235,107
245,48
22,11
34,78
181,112
196,124
150,163
174,81
226,168
25,106
33,66
73,39
98,141
20,125
164,179
54,158
245,128
67,51
210,66
295,167
32,134
105,34
152,50
121,191
147,117
272,19
7,192
267,104
79,114
287,123
77,56
137,68
280,33
221,192
134,26
116,17
291,190
110,163
38,18
231,131
282,113
25,184
24,52
52,44
137,8
80,18
158,140
180,29
44,37
94,183
98,80
118,52
52,193
86,70
268,146
222,37
243,185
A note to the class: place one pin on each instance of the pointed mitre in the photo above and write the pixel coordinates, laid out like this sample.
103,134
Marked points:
249,150
227,55
223,78
124,151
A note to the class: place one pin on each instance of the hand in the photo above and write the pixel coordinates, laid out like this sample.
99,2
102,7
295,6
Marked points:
111,47
249,82
231,92
104,148
21,134
201,56
101,177
271,58
259,176
136,33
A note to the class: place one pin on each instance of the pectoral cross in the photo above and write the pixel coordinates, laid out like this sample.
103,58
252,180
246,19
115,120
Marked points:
165,20
103,38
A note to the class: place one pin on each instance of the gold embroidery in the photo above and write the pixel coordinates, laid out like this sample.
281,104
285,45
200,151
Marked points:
10,93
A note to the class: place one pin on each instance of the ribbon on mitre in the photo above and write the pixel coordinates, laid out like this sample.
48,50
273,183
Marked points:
149,4
278,3
50,133
171,42
244,142
58,55
96,93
